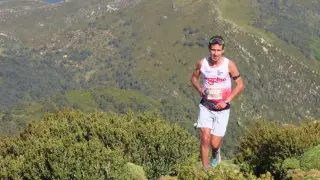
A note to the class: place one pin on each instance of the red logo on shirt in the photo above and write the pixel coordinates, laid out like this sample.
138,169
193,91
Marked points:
211,81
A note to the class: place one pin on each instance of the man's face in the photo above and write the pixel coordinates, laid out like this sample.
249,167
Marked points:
216,52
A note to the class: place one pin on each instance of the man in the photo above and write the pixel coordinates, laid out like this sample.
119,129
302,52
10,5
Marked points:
217,96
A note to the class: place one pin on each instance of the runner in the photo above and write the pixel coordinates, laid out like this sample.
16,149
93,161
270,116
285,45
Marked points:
217,95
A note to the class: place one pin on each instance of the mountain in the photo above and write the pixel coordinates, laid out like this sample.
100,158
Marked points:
96,49
293,21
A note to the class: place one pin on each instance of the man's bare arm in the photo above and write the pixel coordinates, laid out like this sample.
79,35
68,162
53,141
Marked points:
195,76
233,70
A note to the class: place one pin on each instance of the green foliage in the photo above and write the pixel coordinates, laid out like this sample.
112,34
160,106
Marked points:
28,76
135,172
109,100
196,172
310,159
295,23
291,163
79,55
267,144
75,145
298,174
305,168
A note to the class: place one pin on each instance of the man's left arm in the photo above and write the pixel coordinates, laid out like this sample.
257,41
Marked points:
235,75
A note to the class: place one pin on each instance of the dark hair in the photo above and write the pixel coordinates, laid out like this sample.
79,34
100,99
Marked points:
215,42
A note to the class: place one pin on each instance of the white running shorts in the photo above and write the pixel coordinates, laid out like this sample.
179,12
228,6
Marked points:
217,121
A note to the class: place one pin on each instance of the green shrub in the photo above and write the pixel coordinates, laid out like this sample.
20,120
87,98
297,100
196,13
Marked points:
298,174
266,145
311,159
223,171
291,163
135,172
75,145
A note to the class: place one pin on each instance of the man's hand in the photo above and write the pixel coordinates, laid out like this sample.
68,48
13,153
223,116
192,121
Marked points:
201,92
221,105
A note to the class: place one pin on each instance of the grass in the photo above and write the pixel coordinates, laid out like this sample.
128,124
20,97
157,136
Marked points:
126,96
241,12
83,99
30,111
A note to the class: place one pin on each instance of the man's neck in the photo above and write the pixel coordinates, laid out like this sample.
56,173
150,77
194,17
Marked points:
216,63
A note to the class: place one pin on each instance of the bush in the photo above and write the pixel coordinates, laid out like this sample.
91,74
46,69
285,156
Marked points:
80,55
135,172
291,163
298,174
310,159
195,171
266,145
309,165
76,145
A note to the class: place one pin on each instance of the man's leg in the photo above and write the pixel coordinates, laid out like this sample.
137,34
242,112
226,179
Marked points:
204,147
218,131
205,123
215,143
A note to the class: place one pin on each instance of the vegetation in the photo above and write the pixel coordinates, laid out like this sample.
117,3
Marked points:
192,171
294,22
77,145
108,57
108,100
310,159
144,55
306,167
27,76
275,148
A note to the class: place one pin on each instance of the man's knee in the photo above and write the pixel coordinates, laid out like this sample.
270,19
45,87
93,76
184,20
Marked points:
216,141
205,138
205,135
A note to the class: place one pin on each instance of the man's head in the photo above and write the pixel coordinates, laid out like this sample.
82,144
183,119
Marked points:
216,40
216,47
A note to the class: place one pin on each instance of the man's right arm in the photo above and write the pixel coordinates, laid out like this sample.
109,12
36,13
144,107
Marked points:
195,76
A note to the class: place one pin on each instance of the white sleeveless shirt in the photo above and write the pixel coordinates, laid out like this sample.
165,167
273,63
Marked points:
216,80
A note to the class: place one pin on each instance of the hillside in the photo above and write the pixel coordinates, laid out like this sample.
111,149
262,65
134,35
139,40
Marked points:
293,21
151,47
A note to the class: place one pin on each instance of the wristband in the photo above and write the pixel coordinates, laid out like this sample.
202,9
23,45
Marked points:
226,101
